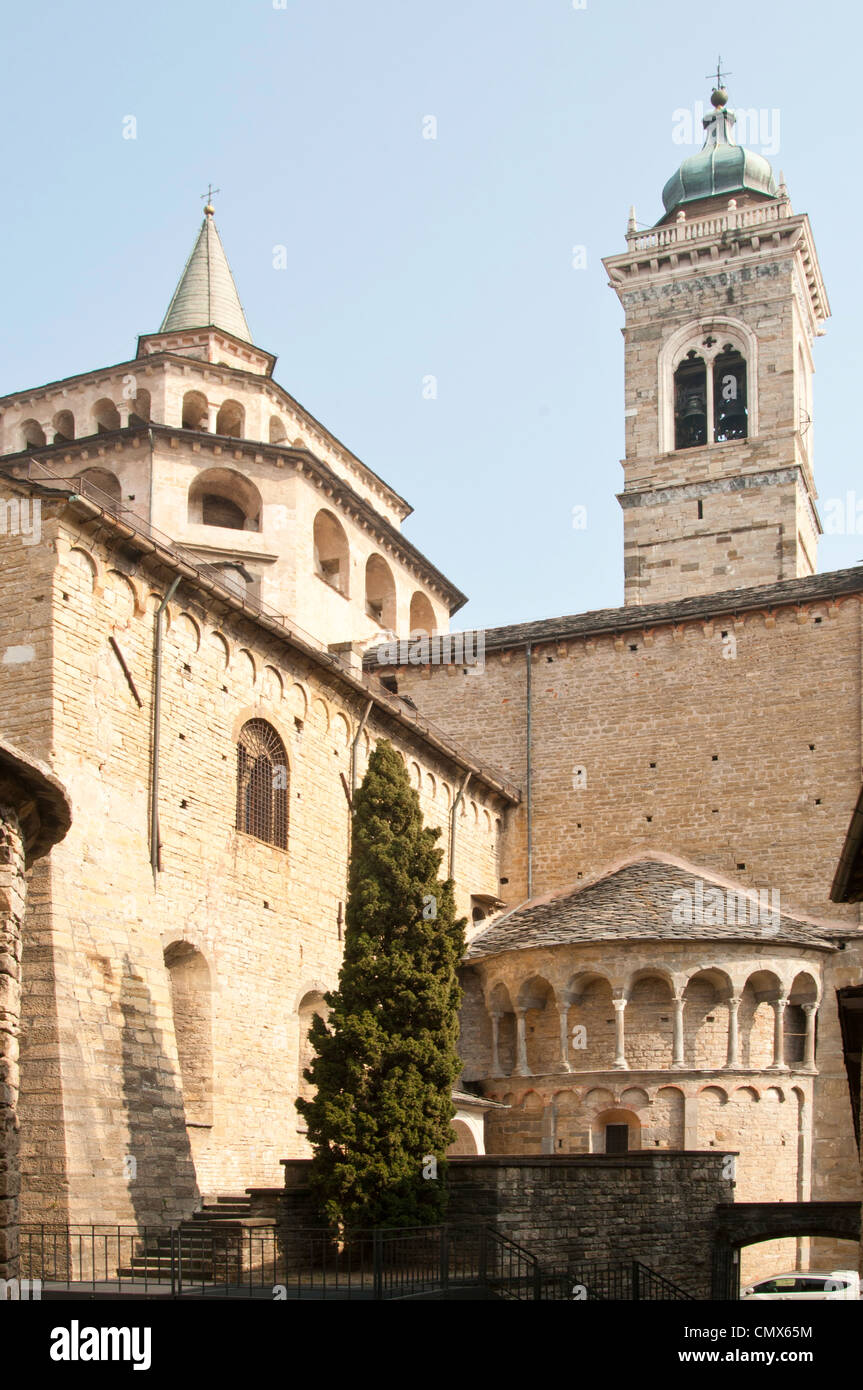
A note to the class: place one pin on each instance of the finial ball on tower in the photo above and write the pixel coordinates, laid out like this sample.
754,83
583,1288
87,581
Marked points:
718,97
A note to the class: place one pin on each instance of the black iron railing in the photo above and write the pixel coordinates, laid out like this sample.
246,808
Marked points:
231,1260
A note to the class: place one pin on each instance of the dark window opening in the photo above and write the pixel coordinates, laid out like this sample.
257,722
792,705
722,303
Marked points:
262,784
220,511
690,403
730,419
617,1139
794,1028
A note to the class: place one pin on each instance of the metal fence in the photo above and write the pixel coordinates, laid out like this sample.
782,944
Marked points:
205,1259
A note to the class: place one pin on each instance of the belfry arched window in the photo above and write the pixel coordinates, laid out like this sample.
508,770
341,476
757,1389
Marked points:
708,384
690,402
729,395
262,784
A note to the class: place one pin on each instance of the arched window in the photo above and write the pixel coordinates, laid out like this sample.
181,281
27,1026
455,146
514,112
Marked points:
729,395
690,402
221,511
422,618
331,551
262,784
191,1001
102,485
106,416
278,433
194,411
32,434
224,497
380,592
64,427
312,1003
139,409
794,1028
230,419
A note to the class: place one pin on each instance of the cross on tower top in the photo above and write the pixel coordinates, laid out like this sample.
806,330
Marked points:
720,75
209,197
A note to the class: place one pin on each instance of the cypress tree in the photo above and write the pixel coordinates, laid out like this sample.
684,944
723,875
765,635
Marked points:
386,1059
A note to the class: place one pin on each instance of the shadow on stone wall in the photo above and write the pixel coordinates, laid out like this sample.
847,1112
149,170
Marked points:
158,1165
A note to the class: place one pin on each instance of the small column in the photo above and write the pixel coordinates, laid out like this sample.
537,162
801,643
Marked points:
212,417
690,1122
521,1067
496,1069
779,1063
811,1011
620,1061
677,1059
563,1013
733,1035
123,410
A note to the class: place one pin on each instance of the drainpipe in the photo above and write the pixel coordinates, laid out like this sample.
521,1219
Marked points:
353,785
453,822
355,745
527,653
155,858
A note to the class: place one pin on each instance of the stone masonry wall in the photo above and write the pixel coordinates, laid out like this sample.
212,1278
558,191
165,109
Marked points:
105,1133
12,899
748,765
655,1208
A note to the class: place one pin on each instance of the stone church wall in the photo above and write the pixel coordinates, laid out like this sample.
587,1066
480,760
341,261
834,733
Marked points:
248,930
652,738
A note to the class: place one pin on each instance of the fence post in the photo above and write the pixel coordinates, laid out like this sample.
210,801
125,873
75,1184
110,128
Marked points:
537,1281
173,1258
636,1285
483,1256
444,1256
377,1264
179,1235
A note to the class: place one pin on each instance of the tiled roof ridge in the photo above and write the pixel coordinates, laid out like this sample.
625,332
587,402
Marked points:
635,616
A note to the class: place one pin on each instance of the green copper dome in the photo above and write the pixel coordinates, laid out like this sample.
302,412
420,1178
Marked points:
721,167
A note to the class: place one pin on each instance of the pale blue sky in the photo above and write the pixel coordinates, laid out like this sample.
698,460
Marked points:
410,257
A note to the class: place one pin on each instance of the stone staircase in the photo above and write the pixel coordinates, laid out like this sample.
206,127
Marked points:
209,1244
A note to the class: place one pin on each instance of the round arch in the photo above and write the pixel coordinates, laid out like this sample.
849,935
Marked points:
692,335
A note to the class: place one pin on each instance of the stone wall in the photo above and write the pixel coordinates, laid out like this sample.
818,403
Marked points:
12,899
655,1208
34,815
235,933
653,739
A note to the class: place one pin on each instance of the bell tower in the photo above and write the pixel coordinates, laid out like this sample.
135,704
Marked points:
723,299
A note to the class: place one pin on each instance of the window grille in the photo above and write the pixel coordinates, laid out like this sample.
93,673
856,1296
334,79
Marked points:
262,784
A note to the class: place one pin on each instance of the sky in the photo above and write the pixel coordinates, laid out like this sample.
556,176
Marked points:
415,199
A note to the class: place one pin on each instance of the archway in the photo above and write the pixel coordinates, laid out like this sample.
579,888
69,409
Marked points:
191,999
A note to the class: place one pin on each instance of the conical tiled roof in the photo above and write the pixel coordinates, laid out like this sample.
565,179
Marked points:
206,296
646,900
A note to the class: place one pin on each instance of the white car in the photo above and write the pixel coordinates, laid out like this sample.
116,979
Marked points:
806,1284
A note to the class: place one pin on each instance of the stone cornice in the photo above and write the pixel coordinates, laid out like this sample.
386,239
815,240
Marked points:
300,460
123,533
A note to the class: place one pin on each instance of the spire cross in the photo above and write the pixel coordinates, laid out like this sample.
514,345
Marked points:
209,193
720,75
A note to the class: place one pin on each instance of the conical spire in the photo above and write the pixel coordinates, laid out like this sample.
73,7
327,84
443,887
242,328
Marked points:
206,296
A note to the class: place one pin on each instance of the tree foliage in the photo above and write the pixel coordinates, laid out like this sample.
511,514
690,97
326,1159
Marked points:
386,1059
